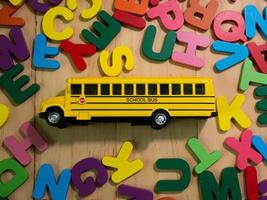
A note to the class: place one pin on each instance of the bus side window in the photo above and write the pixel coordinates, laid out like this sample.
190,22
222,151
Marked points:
140,89
90,89
200,88
176,89
188,89
152,89
116,89
76,89
164,89
128,89
105,89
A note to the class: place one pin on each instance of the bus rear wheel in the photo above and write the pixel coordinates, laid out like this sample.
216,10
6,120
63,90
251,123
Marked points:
55,117
159,119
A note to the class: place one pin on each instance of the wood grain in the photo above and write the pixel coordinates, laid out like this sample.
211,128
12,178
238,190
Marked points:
68,146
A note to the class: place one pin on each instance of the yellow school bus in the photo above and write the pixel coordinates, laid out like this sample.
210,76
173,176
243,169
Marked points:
159,99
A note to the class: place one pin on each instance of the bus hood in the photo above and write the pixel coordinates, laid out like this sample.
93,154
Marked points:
56,101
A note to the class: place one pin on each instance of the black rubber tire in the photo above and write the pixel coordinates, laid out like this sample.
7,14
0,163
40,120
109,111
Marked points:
157,116
57,112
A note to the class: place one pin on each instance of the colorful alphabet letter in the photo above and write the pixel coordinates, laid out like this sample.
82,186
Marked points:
173,164
228,112
239,53
20,175
259,144
163,11
248,76
18,49
132,6
106,34
261,105
19,149
243,150
125,168
166,49
13,88
88,186
193,41
135,193
254,19
5,16
43,7
48,23
201,17
77,51
41,51
228,187
4,110
46,179
236,32
251,183
206,159
256,52
118,54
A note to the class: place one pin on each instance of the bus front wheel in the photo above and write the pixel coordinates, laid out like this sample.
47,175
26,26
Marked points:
55,117
160,118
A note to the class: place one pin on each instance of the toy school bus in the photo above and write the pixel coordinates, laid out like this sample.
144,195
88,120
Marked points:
156,98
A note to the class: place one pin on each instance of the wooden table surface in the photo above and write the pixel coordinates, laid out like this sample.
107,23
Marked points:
70,145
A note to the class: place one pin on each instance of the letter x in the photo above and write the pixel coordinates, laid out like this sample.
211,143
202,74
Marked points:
243,149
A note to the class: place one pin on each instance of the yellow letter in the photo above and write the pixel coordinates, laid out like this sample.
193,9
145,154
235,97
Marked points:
4,114
117,62
228,112
124,168
86,13
49,20
16,2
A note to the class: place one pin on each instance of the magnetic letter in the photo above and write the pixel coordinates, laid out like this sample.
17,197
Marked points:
18,49
243,150
167,46
117,62
259,144
200,17
13,87
251,181
43,7
77,51
261,105
254,19
236,32
193,41
19,149
135,193
206,159
49,19
257,53
228,112
88,186
5,16
131,6
239,53
16,2
125,168
4,110
20,175
129,19
46,179
248,76
174,164
229,185
106,34
86,13
41,51
263,189
163,11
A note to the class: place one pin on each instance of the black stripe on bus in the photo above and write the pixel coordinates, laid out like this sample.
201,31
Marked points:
139,96
185,109
143,103
114,109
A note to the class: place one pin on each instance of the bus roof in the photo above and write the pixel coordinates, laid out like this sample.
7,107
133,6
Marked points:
139,80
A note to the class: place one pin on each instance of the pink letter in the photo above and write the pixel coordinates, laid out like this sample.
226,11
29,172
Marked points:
193,41
18,149
163,12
